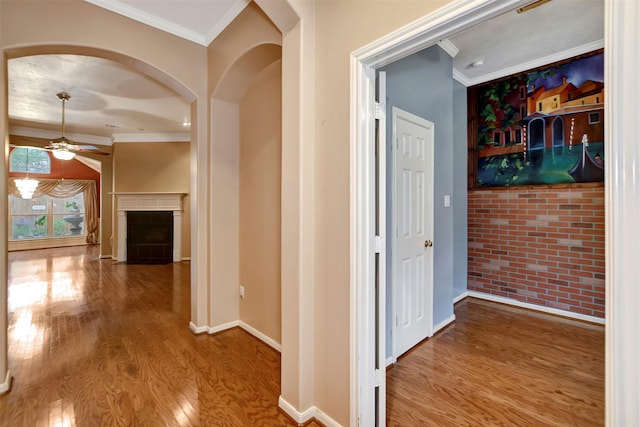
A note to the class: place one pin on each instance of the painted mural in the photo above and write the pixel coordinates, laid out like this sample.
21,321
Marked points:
543,127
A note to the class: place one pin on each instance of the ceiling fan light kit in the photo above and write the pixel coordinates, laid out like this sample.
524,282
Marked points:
63,154
62,148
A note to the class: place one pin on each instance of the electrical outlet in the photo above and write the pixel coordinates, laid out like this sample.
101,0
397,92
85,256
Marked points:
241,291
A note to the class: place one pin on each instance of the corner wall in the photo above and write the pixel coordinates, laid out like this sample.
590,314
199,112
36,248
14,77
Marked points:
260,183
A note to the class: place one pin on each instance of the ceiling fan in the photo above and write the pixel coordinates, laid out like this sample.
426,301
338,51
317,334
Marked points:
63,148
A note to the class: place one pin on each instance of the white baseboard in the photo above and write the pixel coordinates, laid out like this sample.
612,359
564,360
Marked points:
223,327
262,337
299,417
535,307
256,333
186,258
461,297
6,385
107,256
197,329
325,419
307,414
444,323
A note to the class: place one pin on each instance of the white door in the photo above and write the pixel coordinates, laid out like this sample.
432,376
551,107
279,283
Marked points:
413,240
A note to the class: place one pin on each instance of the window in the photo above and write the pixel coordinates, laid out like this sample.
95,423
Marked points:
518,139
497,138
594,118
507,136
38,161
46,217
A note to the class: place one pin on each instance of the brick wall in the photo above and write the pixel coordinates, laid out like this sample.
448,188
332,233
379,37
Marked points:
539,245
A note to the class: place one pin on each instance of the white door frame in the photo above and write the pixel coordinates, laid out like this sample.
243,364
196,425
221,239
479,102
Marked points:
622,205
396,113
420,34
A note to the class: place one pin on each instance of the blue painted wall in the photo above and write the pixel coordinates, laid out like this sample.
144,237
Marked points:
459,197
422,84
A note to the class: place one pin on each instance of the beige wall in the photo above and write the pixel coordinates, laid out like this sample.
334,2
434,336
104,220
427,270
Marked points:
260,171
4,137
341,27
150,167
106,208
232,54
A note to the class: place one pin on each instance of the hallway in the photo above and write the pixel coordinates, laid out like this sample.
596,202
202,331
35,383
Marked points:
93,343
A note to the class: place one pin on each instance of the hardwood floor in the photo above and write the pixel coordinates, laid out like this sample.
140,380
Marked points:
501,366
93,343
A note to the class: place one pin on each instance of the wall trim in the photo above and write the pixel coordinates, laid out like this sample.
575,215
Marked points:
6,385
237,323
448,46
223,327
307,415
390,361
534,307
539,62
186,258
325,419
262,337
443,324
197,329
461,297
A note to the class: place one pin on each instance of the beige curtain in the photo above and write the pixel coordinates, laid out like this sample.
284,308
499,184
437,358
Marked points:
62,188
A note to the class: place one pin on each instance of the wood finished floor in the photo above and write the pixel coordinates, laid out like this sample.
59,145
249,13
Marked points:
93,343
501,366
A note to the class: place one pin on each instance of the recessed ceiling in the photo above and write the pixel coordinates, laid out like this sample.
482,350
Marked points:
107,98
111,101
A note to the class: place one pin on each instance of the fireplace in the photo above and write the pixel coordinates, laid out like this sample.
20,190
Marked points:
149,237
138,222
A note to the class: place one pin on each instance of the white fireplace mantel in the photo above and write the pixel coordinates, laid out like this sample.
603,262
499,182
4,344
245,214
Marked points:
134,201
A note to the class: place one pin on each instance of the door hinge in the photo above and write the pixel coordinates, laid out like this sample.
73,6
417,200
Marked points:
379,244
377,377
379,111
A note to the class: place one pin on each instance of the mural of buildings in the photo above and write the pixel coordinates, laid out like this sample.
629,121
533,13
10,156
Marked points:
523,118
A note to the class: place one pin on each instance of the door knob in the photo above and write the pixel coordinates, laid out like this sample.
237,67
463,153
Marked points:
428,243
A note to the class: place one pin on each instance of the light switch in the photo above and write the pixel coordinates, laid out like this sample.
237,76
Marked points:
447,201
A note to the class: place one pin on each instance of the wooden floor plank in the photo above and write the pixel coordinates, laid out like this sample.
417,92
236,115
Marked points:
93,343
501,366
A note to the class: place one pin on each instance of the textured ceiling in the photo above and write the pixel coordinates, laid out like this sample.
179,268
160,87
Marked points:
515,42
111,101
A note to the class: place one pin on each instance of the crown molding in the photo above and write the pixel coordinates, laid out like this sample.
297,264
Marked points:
461,78
222,23
448,46
49,134
545,60
151,137
151,20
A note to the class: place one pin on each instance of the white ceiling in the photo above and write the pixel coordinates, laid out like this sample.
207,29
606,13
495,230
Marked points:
516,42
112,102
